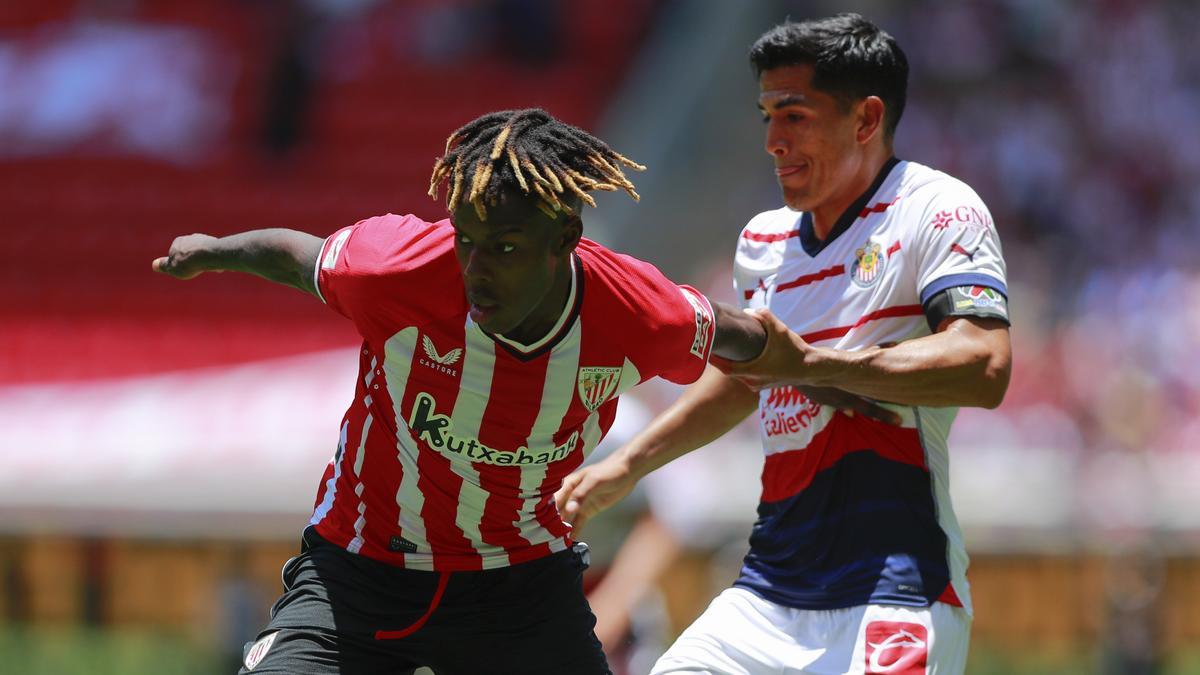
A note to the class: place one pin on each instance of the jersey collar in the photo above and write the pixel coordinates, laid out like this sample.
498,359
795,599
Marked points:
808,237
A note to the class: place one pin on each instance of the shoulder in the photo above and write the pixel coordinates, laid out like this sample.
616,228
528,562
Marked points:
627,289
769,226
763,239
387,256
388,245
925,187
617,276
932,200
393,234
664,328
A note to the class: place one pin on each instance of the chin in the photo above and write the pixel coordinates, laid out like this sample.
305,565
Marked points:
496,327
798,204
502,326
797,200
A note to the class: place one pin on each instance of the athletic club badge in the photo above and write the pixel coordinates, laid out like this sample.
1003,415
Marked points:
596,385
258,650
868,263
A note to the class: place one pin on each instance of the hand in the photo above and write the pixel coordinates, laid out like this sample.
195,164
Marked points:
592,489
852,404
184,259
786,359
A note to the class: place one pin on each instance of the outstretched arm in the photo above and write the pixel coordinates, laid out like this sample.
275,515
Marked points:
284,256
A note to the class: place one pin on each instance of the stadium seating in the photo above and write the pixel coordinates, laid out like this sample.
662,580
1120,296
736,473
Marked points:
82,225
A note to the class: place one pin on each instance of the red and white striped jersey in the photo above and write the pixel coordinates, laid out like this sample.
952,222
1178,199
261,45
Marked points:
915,233
450,453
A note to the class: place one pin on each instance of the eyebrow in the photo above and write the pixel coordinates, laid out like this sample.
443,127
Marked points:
512,229
784,101
509,230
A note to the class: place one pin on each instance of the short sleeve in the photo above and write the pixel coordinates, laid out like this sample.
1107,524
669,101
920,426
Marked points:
666,329
748,281
685,330
365,262
758,256
957,243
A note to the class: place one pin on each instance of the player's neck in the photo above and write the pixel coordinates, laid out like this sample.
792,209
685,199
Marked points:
826,216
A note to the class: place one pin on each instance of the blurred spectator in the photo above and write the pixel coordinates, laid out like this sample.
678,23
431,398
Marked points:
294,70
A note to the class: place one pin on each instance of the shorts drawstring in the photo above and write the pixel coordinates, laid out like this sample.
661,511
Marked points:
437,598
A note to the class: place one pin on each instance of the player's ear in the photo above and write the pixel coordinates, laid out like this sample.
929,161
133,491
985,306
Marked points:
569,234
870,118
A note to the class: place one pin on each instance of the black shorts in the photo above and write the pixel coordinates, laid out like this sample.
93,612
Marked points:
346,614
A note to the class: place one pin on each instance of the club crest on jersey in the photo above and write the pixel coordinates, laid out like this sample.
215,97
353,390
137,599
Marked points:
868,264
596,385
440,362
258,651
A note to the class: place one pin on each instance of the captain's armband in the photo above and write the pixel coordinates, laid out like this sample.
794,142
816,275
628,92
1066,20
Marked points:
979,301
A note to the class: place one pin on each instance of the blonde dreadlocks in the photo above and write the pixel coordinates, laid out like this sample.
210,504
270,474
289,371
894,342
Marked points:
531,151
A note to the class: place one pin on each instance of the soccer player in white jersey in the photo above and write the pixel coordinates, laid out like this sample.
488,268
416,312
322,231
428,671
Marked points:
495,344
881,278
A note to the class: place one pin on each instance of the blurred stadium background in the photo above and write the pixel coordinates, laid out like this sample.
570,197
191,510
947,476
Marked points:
160,442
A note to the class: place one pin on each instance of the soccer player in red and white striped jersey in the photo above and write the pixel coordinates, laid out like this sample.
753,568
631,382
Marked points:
495,345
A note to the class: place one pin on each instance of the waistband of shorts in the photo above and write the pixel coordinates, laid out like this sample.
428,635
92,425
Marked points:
310,539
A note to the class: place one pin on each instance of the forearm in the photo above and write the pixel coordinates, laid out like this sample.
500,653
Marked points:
738,336
706,411
284,256
964,365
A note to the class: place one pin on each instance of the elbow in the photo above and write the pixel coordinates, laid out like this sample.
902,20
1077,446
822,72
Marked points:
996,375
993,396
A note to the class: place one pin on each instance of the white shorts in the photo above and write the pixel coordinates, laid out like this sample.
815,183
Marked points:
741,633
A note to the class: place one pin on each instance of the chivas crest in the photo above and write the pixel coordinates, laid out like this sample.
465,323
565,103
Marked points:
867,265
596,385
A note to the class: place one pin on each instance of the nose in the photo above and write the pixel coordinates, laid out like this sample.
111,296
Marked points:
776,143
477,269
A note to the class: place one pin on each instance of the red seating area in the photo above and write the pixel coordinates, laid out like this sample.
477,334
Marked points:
80,229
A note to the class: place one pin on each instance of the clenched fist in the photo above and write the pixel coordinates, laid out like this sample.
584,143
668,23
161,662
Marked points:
185,258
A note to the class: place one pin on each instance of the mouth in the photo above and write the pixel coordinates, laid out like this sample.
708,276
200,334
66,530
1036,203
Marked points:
482,315
482,309
790,169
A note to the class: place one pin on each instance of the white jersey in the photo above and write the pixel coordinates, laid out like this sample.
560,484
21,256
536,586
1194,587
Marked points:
854,511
